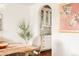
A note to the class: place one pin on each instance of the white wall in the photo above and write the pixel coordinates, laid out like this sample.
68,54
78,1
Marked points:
12,15
63,43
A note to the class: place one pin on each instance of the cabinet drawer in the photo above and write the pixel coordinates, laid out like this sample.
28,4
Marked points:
46,42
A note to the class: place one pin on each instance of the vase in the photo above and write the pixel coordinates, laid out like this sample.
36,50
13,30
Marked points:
26,42
29,43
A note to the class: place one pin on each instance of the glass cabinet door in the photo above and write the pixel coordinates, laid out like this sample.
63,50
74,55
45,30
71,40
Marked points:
46,21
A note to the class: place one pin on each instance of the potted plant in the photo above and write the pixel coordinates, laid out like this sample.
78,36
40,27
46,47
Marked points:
25,32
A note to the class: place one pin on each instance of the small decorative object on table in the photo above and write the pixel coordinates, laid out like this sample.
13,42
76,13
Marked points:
3,44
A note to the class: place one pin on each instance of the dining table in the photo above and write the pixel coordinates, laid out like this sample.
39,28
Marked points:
16,48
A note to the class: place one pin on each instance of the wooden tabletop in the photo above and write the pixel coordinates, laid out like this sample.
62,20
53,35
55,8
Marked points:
15,48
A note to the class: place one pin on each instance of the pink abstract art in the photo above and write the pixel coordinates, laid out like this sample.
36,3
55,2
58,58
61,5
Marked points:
69,17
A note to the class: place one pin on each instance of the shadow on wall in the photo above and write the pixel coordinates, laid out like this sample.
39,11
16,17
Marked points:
58,49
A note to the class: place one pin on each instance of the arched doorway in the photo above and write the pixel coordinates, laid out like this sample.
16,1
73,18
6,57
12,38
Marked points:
45,27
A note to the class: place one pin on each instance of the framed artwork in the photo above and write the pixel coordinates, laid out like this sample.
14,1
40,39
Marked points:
69,17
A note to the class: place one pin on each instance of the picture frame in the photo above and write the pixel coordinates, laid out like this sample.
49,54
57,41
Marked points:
69,17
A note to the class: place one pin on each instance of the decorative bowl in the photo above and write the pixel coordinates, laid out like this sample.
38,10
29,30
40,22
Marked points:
3,44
